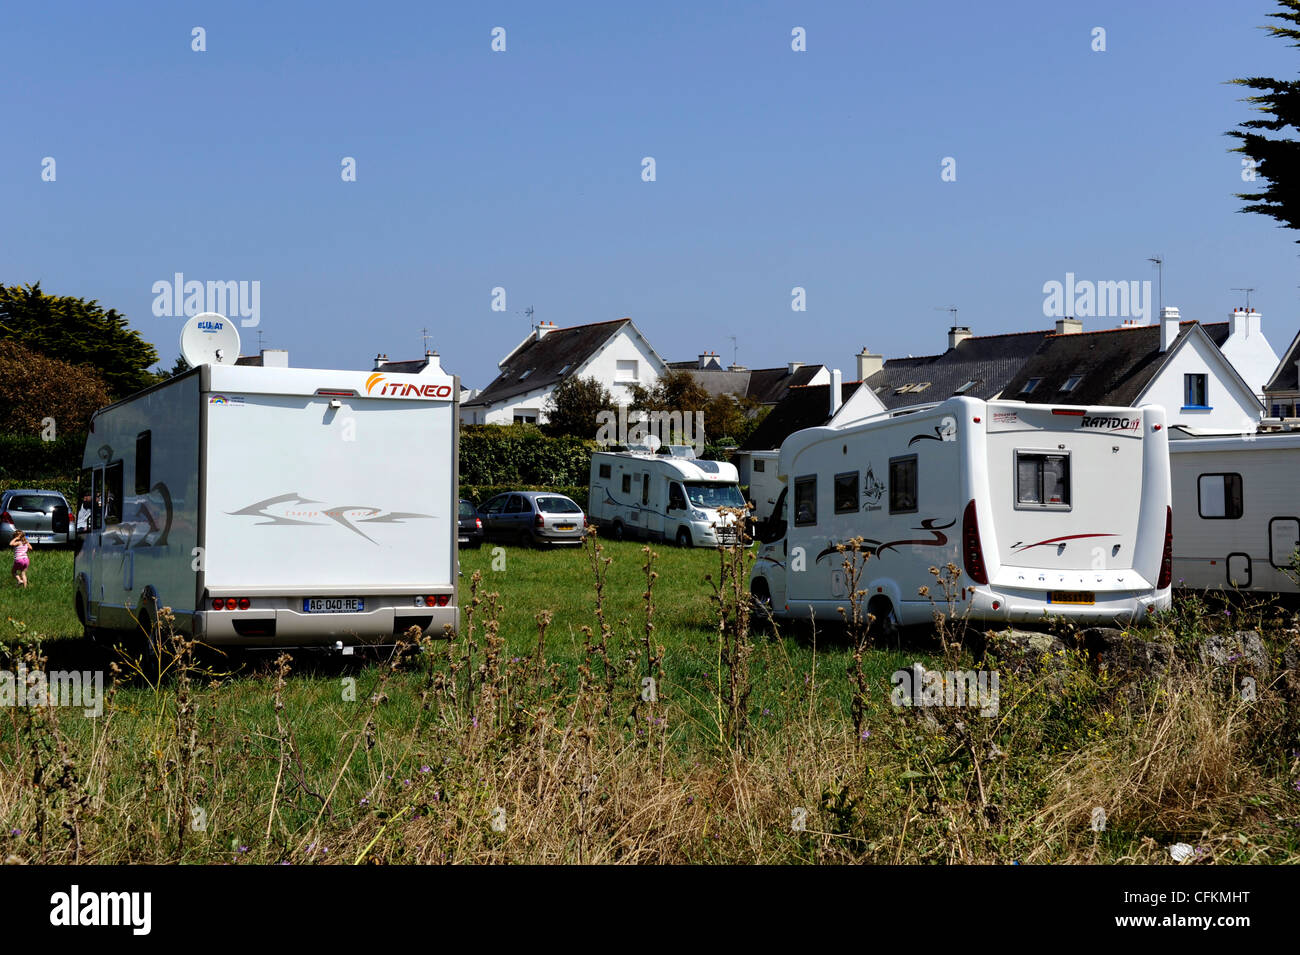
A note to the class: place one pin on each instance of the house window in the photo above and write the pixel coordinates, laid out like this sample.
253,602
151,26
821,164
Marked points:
1030,385
604,470
805,500
1277,411
1219,496
846,493
1072,382
526,374
967,387
625,370
1194,391
902,484
760,465
1042,480
565,369
143,461
526,417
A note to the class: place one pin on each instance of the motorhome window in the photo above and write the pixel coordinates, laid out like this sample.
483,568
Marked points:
142,461
604,470
902,484
1194,391
1042,480
711,494
113,494
1219,496
676,497
627,484
805,501
846,493
645,489
760,465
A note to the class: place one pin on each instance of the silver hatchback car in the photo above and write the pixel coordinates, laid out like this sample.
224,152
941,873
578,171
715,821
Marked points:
41,515
533,517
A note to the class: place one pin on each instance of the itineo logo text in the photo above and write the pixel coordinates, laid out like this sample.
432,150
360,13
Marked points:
378,386
241,299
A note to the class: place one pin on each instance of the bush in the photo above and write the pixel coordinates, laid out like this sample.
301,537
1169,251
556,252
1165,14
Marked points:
493,455
22,454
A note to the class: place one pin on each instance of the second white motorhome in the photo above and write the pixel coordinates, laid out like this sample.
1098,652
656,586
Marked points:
663,496
274,507
1236,517
1060,511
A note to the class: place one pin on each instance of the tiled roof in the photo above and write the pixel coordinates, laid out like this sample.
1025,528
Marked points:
561,350
804,406
1285,378
990,361
1113,365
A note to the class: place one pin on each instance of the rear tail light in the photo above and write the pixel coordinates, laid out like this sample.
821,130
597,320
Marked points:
437,600
218,603
244,603
1167,561
539,521
231,603
5,518
972,551
478,523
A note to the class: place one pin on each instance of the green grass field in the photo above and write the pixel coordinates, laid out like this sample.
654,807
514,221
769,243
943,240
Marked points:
487,749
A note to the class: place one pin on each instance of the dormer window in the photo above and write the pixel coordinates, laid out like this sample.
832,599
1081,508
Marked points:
1030,385
565,369
1072,382
526,374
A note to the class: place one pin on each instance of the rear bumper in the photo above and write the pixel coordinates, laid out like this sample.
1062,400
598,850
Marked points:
282,622
1014,605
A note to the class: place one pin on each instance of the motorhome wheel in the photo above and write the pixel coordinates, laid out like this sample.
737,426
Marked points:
683,537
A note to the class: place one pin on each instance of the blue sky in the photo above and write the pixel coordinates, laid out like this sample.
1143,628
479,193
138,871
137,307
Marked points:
523,169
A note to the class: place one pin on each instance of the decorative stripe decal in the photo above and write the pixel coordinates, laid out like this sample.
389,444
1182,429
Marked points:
1055,540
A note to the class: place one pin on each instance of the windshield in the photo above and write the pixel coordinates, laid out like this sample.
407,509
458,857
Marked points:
703,494
467,509
557,505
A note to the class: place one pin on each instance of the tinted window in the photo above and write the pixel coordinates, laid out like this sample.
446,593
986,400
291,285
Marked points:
113,494
675,496
604,470
143,461
902,484
627,484
760,465
805,500
1219,496
846,492
495,505
1043,479
33,502
466,509
557,505
517,505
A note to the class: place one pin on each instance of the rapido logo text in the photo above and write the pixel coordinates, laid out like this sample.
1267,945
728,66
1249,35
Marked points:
379,386
1110,423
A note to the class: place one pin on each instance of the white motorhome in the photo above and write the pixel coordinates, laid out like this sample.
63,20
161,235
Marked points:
640,493
1236,517
274,506
1060,511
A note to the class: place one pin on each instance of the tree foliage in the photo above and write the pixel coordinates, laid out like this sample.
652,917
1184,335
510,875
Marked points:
725,415
78,332
34,388
574,406
1276,160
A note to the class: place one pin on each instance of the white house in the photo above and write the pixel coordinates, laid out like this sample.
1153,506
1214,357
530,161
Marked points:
1249,351
615,353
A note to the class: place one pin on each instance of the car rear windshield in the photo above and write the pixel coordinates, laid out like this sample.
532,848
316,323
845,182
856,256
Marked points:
33,502
557,505
467,509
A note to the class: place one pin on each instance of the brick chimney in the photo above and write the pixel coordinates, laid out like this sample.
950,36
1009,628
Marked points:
1069,326
1169,319
958,334
868,364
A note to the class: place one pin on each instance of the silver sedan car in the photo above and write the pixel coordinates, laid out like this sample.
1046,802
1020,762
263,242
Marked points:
533,517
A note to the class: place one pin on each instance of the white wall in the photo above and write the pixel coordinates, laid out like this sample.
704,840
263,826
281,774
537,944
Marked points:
1233,408
1251,354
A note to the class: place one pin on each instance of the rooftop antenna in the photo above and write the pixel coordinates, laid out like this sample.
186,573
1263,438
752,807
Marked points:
734,348
1247,291
529,312
259,341
948,308
1159,262
425,332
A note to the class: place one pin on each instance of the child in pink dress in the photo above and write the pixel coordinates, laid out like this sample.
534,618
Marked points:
21,558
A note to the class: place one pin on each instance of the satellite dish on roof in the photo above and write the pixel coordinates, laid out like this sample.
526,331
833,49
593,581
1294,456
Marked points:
652,442
210,339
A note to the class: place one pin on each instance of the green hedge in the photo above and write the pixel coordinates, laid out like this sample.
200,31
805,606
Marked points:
65,486
478,493
520,455
22,454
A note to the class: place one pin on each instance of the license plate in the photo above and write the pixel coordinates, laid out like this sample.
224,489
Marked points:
564,527
333,605
1071,597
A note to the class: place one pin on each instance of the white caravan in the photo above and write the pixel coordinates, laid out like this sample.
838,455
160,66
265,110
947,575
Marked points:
1060,511
1236,516
274,506
663,497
